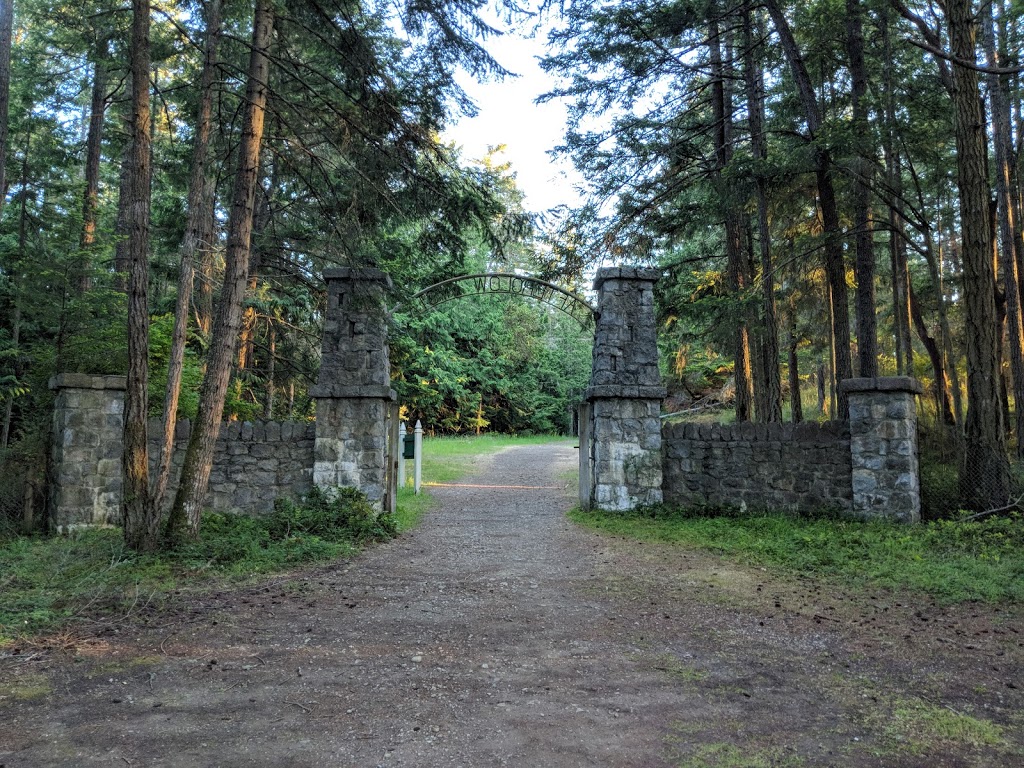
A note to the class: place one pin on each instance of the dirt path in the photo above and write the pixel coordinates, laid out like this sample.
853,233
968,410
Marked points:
499,634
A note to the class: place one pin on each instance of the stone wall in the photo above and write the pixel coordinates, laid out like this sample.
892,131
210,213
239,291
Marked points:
802,467
253,464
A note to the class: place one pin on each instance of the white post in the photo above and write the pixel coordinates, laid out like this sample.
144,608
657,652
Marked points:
401,454
418,461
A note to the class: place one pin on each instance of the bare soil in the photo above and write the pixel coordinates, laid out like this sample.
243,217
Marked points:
498,633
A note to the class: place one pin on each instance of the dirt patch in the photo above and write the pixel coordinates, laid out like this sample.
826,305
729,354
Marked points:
500,634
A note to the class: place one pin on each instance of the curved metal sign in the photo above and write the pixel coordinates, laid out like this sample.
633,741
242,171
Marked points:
574,306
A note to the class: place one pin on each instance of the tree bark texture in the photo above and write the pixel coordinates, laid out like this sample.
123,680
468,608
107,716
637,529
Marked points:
141,520
984,478
722,116
199,205
195,473
1008,213
769,403
864,250
93,156
6,32
835,269
897,243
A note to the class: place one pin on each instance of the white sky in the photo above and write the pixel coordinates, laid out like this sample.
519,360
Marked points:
507,115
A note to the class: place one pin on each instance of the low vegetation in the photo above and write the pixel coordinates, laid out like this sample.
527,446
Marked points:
951,560
50,582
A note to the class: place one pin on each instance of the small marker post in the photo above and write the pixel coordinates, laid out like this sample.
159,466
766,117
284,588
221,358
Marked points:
418,460
401,455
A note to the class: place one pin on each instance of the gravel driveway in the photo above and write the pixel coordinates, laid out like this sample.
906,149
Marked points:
498,633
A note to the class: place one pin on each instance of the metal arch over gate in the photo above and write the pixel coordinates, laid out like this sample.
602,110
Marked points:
576,307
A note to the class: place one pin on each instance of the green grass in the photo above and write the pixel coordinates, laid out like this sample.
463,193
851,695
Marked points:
951,561
448,460
47,583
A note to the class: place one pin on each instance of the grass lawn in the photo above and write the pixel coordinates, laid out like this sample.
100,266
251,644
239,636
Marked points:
949,560
448,459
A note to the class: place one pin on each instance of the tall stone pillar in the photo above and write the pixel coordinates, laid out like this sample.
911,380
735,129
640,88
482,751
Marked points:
84,484
353,393
883,447
625,393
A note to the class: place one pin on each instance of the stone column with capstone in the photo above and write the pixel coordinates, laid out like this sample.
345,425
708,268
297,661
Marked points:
625,393
883,447
353,392
84,469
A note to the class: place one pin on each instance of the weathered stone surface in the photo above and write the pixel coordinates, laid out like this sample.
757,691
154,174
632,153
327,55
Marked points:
803,467
625,393
867,467
85,485
353,392
883,428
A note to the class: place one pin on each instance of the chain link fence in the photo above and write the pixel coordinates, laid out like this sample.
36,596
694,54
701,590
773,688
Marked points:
941,449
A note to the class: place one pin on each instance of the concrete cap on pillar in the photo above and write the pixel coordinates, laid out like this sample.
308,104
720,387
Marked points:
87,381
646,274
882,384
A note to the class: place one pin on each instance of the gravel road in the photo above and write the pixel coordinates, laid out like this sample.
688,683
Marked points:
499,634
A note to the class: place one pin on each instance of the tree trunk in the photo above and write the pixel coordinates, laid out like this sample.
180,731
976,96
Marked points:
195,472
268,407
795,401
894,181
141,521
5,432
1008,213
6,32
770,401
199,205
820,377
942,385
93,156
864,260
835,270
733,223
984,479
122,226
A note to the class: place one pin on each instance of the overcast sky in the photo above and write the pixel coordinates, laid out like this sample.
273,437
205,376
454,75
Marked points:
509,116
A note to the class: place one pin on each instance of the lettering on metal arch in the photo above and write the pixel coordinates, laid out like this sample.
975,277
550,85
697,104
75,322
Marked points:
516,285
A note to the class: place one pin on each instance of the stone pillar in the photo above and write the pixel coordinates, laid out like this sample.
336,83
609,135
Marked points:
353,392
625,393
883,447
84,483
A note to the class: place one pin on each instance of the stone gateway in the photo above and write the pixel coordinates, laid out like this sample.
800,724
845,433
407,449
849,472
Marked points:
866,467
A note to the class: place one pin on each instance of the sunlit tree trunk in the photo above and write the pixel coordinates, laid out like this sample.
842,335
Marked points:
864,250
722,111
93,156
141,520
835,269
199,205
769,398
1008,212
984,479
195,472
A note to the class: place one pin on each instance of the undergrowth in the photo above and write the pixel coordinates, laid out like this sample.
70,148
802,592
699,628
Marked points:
953,561
46,583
